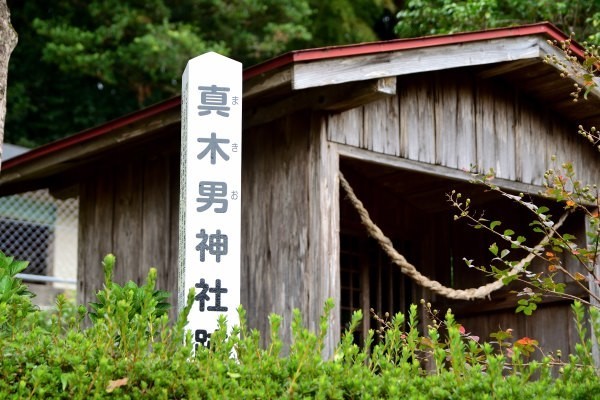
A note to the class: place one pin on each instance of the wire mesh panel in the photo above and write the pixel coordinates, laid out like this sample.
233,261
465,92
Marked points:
38,228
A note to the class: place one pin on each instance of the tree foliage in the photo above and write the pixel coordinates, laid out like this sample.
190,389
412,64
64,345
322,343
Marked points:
428,17
81,63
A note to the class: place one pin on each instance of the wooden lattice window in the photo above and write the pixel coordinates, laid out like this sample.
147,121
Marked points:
370,281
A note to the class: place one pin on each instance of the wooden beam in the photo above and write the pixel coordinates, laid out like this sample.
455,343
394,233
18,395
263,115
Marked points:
548,50
365,67
432,169
334,98
504,300
280,79
504,68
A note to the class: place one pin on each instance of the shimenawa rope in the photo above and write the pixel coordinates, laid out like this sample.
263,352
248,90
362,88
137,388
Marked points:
410,270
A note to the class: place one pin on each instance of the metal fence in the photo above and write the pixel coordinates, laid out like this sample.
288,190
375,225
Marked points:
38,228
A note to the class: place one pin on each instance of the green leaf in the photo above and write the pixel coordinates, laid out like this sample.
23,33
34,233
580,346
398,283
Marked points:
542,210
494,249
509,232
567,236
509,278
17,266
504,253
589,62
494,224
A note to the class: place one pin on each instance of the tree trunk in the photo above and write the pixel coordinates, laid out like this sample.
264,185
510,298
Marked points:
8,41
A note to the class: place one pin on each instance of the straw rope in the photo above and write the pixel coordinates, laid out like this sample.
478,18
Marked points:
410,270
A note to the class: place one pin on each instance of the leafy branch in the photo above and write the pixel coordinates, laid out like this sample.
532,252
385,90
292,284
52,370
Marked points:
574,196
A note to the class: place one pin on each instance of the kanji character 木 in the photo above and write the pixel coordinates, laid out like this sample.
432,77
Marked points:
213,147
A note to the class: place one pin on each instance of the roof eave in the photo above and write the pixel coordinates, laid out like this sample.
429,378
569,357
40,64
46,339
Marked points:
259,79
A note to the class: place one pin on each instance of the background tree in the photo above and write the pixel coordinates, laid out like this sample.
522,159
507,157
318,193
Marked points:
81,63
429,17
8,41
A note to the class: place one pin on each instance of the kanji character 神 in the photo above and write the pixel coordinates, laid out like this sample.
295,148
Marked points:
216,244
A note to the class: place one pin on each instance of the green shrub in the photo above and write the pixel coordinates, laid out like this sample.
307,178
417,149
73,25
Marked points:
130,351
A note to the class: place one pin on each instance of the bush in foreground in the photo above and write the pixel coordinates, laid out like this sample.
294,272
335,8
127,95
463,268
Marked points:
130,351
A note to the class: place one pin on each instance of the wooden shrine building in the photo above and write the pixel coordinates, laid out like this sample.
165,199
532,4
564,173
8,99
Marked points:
401,119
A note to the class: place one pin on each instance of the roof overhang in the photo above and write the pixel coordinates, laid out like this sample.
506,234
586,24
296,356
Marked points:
291,68
324,78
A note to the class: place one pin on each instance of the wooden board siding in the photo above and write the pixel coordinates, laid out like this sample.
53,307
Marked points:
543,326
323,231
126,208
453,119
289,221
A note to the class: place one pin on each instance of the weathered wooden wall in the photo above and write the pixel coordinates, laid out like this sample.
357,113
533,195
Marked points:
454,119
290,237
289,222
290,211
129,206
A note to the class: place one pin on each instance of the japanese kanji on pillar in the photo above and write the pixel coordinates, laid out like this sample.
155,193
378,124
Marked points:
210,212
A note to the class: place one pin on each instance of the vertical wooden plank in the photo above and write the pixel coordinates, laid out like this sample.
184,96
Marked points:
87,193
504,133
530,155
553,138
155,201
417,119
465,142
172,268
127,228
408,108
486,129
290,229
156,221
551,339
256,276
539,128
323,253
446,110
521,125
381,126
346,127
275,215
426,138
95,227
